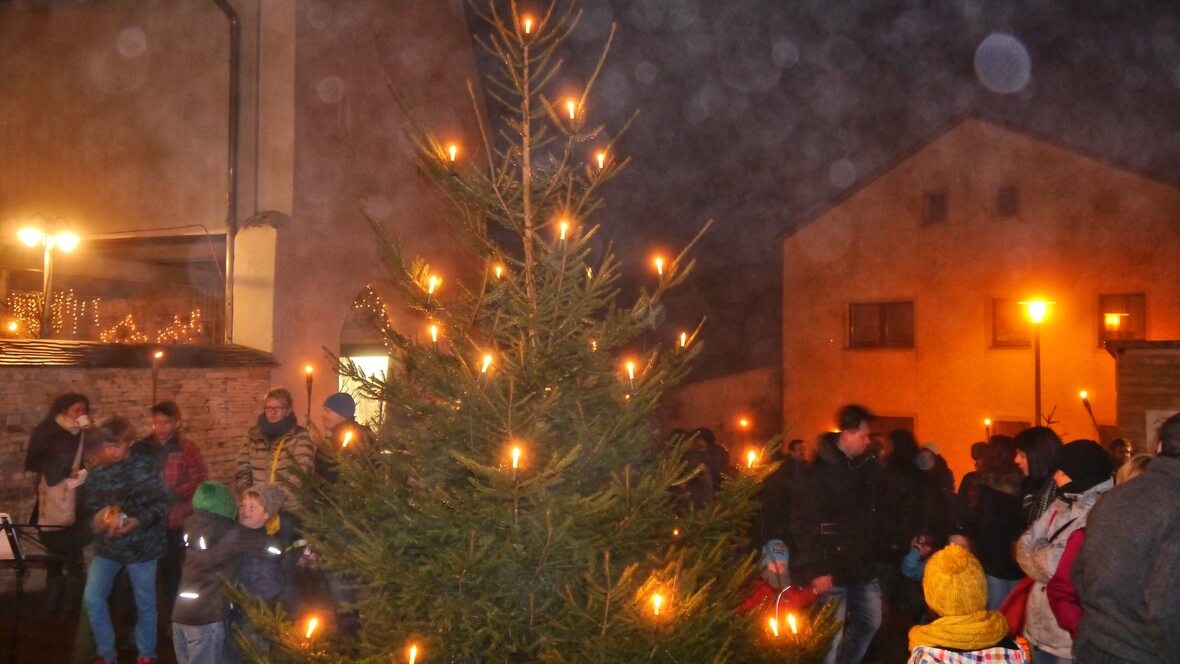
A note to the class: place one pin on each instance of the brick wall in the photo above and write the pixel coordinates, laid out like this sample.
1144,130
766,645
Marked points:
218,406
1147,376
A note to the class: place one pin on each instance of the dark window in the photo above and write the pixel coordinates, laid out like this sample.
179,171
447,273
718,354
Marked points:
1011,327
1008,201
934,208
1008,427
881,325
1122,316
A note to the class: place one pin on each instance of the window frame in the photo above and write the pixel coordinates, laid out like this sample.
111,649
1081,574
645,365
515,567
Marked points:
1026,342
1139,331
882,330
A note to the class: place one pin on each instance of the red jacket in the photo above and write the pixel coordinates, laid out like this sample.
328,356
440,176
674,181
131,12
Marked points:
1063,598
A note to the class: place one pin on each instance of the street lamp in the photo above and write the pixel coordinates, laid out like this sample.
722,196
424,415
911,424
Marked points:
1038,310
64,240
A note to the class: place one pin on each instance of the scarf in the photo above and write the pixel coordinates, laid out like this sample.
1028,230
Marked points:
273,432
973,631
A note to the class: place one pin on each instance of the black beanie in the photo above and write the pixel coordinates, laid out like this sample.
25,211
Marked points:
1086,463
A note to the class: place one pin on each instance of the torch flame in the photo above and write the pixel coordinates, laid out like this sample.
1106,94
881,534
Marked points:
1083,394
159,355
987,421
307,370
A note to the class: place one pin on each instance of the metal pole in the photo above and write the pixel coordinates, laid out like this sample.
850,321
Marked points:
231,203
47,290
1037,375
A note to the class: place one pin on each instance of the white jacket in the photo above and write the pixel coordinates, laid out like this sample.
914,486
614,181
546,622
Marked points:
1038,551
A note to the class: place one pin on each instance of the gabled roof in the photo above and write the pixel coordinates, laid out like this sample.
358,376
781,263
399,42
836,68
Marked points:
820,210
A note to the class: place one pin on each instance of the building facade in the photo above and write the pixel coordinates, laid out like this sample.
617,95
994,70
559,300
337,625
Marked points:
907,295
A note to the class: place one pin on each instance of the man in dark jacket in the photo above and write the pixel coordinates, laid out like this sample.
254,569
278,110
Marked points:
1128,573
127,500
833,520
216,543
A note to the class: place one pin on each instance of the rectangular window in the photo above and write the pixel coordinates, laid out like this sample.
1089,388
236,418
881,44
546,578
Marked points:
1122,316
1008,201
934,208
881,325
1011,327
368,409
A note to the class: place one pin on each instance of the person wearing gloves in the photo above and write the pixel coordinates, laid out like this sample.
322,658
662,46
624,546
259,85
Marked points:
1081,476
965,631
216,543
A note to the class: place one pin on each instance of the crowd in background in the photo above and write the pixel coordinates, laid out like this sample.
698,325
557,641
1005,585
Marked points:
161,537
1045,552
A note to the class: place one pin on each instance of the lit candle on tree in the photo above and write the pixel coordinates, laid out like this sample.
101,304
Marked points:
657,603
601,159
572,107
563,227
156,357
794,627
751,457
515,460
499,270
313,623
631,374
658,261
412,654
347,439
487,362
684,339
773,627
309,381
526,23
453,151
434,336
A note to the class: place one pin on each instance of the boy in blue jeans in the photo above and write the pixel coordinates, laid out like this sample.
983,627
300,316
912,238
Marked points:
127,500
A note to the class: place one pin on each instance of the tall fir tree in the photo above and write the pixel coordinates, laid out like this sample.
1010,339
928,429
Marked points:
518,506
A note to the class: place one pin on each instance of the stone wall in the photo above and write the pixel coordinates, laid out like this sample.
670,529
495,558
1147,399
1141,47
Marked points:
218,406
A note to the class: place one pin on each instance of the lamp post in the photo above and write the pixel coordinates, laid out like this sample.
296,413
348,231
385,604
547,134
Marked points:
31,237
1038,310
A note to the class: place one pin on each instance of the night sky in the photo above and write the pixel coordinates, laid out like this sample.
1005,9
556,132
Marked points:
760,114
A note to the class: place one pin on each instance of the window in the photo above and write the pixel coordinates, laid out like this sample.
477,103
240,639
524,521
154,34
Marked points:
934,208
881,325
1121,316
1008,201
368,409
1011,327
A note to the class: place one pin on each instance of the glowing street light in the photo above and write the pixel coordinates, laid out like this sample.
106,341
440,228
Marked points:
1037,310
66,241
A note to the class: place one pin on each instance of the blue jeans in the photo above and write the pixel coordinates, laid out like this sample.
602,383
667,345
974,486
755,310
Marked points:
198,644
859,608
99,581
997,590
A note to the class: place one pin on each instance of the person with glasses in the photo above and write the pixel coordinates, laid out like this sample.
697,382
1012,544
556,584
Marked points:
274,447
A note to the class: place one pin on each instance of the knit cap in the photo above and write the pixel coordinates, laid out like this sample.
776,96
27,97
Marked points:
216,499
1086,463
273,497
342,404
954,583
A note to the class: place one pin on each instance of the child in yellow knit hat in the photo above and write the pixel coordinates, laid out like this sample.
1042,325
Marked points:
965,631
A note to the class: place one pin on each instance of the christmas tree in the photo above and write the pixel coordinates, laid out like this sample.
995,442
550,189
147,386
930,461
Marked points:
518,506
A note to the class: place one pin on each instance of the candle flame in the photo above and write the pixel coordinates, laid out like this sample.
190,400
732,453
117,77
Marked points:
572,107
312,623
659,263
774,627
434,333
594,345
515,457
589,273
527,21
563,228
675,532
499,270
657,600
601,159
630,370
683,339
432,284
347,439
413,654
453,151
487,362
751,457
791,623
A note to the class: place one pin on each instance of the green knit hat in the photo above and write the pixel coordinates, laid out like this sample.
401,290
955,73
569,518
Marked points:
216,498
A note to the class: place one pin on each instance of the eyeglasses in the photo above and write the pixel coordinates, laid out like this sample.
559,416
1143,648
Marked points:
275,409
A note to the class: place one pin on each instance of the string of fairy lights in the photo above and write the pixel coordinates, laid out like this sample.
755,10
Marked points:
73,317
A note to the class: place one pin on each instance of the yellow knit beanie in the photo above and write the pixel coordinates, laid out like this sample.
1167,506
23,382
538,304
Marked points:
954,583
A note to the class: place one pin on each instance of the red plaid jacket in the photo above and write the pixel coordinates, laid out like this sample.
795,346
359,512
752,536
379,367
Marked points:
182,469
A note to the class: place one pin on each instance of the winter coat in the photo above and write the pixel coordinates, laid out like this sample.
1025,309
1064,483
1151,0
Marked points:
134,485
215,545
1128,572
774,505
994,520
1039,551
51,451
325,459
833,517
272,578
181,467
1063,597
909,503
261,461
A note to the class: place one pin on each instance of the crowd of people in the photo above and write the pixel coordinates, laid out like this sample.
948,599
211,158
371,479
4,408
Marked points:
1047,551
162,537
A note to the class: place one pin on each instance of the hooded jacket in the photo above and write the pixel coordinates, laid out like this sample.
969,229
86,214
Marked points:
134,485
215,545
1039,551
833,517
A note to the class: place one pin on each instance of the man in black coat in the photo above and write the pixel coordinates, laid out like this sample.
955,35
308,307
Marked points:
833,517
1128,573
